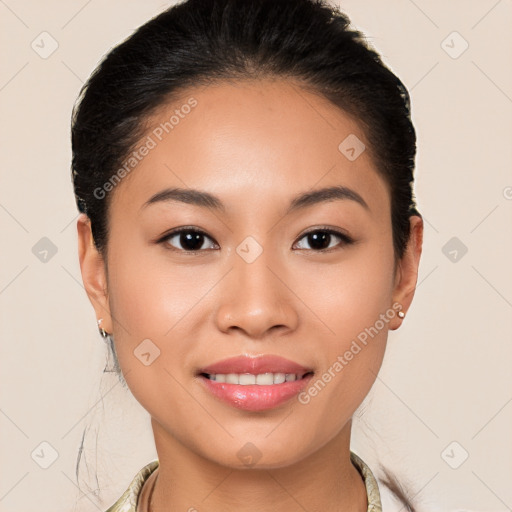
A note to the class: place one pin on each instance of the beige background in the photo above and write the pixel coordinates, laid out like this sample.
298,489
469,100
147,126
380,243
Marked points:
446,375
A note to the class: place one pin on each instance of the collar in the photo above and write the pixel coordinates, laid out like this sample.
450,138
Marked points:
128,501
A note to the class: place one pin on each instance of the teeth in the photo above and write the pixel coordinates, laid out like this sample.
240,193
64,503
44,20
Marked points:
262,379
279,378
265,379
246,378
232,378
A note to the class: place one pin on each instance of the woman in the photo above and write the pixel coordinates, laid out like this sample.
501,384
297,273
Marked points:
248,236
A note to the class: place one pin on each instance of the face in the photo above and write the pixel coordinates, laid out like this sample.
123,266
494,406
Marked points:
267,267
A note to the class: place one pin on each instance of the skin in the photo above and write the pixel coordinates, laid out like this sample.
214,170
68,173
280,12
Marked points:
255,145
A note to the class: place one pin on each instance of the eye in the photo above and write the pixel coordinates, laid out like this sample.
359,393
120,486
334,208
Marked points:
191,239
319,239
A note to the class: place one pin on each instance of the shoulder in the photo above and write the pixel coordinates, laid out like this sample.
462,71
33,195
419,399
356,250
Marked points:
128,501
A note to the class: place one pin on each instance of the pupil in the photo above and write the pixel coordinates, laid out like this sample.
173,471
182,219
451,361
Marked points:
318,240
192,241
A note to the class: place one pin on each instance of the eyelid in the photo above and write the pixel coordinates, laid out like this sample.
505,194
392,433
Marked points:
328,229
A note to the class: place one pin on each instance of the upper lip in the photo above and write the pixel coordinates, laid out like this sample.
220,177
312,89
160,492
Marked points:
255,365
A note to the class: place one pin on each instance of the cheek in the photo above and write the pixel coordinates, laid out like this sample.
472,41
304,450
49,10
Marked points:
148,294
354,301
152,298
148,302
351,295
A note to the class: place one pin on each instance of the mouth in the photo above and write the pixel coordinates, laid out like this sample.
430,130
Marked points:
255,383
260,379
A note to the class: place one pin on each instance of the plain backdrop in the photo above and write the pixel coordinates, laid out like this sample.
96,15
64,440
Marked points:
439,415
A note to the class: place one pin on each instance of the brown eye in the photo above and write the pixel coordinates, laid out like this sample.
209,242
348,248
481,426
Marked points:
320,239
190,240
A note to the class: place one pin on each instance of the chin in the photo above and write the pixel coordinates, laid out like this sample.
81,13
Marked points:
260,453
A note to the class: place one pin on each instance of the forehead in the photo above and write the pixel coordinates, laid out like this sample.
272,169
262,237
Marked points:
256,140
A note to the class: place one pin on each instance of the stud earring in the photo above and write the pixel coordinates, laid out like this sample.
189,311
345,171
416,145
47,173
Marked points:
401,314
103,333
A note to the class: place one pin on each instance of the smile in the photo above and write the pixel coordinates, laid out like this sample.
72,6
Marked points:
261,379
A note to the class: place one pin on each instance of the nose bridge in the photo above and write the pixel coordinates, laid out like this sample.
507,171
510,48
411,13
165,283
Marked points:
255,279
252,260
255,298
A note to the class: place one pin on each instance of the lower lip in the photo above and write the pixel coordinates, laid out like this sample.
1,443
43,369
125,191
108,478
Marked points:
254,397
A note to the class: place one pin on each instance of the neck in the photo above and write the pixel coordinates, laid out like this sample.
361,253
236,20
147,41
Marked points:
326,480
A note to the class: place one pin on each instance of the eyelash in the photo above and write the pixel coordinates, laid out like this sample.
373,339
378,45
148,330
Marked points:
346,240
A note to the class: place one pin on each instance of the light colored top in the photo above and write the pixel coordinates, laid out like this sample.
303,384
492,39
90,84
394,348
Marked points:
136,497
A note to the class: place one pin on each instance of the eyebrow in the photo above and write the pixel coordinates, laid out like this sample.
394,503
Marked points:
207,200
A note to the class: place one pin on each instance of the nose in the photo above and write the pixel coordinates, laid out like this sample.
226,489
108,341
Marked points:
257,300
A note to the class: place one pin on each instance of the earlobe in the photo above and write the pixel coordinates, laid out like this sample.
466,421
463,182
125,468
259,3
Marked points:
92,267
407,272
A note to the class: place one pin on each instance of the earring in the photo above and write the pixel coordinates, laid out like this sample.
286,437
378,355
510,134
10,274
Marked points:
401,314
103,333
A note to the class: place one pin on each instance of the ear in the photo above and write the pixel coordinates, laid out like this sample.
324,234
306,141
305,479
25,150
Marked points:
407,271
93,271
